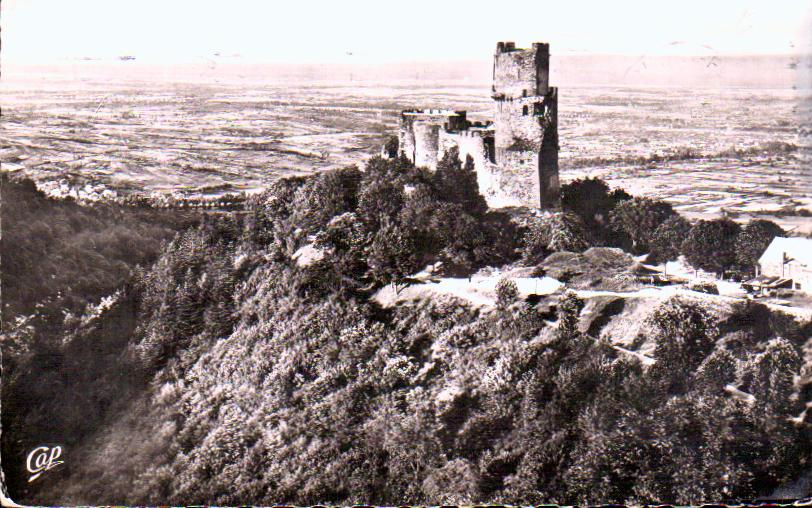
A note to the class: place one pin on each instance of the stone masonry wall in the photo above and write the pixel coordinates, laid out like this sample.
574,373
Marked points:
519,161
549,186
419,132
514,128
522,72
426,142
406,137
471,143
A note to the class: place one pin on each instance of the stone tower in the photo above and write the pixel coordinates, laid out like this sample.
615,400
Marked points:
526,117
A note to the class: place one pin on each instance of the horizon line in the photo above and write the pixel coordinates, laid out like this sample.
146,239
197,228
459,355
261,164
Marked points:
228,59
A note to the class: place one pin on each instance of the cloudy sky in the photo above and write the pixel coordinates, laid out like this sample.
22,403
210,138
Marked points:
35,31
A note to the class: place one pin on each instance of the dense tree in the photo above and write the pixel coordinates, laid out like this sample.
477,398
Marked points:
465,243
666,241
753,240
392,147
592,200
553,232
638,218
716,371
684,333
263,380
772,377
392,255
380,201
345,239
277,200
711,245
59,255
457,182
324,196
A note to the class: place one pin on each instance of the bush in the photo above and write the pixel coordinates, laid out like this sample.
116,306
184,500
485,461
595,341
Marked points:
667,239
638,218
704,287
711,245
684,332
553,232
753,240
506,293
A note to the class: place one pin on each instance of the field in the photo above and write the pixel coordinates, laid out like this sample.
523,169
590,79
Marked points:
706,150
181,357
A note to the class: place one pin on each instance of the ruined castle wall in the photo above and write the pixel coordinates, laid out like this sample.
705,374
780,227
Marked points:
514,128
406,137
517,175
527,144
516,158
468,143
471,143
548,182
521,73
419,133
427,143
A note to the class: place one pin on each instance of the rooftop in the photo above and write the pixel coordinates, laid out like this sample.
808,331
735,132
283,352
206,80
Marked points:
796,249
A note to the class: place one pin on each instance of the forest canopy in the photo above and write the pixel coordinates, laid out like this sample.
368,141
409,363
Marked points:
232,369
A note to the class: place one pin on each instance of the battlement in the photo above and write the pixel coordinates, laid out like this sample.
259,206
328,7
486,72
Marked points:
473,132
521,139
508,47
505,47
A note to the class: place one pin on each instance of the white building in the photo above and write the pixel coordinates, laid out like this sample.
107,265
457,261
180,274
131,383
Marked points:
791,259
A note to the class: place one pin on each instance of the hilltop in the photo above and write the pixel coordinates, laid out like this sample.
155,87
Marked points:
232,368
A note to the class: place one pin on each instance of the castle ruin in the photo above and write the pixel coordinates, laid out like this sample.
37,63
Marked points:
522,138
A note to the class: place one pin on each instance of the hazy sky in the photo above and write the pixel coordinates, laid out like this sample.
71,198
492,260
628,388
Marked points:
378,31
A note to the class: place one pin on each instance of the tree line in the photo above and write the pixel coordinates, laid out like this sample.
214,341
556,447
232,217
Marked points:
600,216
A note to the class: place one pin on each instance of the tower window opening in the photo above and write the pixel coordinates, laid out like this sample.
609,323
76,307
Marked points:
524,110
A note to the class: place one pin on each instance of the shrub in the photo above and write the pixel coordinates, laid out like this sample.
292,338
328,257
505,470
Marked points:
754,240
667,239
711,245
506,293
553,232
592,201
704,287
684,332
638,218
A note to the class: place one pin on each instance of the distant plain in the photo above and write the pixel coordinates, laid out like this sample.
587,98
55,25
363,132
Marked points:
100,131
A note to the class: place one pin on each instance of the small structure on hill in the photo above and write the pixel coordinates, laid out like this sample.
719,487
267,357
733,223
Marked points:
522,138
787,262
